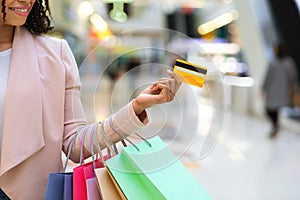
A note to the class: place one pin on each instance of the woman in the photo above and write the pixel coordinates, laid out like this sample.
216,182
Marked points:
40,108
279,85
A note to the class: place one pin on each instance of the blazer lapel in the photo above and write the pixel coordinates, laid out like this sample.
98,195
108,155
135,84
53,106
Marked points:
23,118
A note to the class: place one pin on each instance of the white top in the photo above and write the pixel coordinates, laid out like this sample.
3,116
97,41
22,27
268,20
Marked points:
280,82
4,69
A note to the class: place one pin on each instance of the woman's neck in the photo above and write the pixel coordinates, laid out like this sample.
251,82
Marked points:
6,36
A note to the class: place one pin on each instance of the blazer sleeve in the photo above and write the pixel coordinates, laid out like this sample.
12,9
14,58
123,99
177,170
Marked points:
75,124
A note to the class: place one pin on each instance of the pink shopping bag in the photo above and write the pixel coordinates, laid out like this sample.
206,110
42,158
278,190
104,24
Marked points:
84,179
81,174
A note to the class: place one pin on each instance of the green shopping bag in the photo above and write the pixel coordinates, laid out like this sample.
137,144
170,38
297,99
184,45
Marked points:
144,172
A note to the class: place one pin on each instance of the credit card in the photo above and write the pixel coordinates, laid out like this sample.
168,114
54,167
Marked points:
190,73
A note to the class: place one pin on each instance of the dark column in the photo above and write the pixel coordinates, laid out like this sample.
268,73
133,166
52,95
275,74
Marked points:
287,21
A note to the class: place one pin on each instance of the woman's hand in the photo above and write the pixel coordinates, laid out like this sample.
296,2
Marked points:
162,91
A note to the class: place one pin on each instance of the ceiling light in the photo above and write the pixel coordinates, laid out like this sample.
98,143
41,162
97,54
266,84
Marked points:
86,8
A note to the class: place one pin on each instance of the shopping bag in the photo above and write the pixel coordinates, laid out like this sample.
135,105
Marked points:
105,184
84,180
92,189
107,188
59,186
153,173
68,187
93,192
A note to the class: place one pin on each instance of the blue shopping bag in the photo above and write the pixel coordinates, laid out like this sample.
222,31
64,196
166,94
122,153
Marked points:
59,186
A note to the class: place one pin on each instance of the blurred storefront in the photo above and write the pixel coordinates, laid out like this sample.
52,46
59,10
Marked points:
237,36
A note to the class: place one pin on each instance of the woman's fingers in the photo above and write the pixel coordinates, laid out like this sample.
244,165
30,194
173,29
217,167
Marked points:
164,94
166,88
162,91
158,86
175,77
170,83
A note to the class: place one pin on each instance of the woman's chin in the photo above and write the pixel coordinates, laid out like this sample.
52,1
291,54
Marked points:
15,23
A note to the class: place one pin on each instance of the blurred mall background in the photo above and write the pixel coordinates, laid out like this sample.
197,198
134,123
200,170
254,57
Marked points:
231,155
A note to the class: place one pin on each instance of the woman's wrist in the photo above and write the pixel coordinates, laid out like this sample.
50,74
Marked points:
138,108
139,111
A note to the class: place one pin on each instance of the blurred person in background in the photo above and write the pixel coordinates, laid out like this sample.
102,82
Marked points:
132,68
40,107
279,85
133,62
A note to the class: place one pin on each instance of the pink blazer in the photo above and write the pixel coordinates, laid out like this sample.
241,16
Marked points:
42,112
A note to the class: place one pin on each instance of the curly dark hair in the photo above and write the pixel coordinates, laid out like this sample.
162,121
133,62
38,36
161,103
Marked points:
39,18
